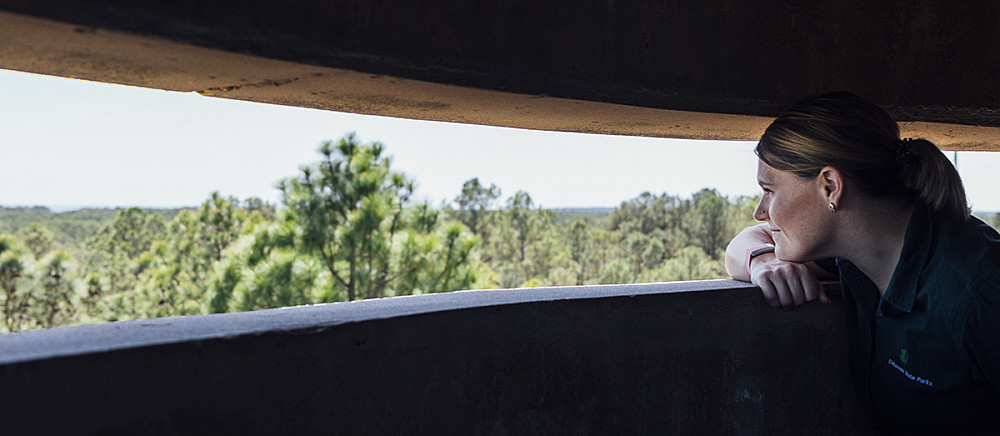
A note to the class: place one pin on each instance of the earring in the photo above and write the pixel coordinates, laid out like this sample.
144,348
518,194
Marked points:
833,207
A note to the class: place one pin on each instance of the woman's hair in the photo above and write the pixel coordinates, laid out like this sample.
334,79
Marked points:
861,140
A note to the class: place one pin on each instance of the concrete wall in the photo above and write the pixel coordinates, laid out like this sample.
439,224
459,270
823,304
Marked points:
682,358
936,61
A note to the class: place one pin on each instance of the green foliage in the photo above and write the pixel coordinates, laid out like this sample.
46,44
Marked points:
443,260
69,230
13,260
346,231
649,238
138,266
282,279
114,256
263,269
474,202
351,208
54,301
35,293
266,210
579,239
691,263
38,239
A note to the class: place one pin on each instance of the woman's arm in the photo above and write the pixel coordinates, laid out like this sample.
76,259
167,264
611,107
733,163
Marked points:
736,252
784,284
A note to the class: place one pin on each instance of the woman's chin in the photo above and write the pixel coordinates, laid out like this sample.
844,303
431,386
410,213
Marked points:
788,255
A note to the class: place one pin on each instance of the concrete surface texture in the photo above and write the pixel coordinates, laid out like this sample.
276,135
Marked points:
710,70
677,358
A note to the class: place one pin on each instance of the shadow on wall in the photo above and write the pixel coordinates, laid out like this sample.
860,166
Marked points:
705,357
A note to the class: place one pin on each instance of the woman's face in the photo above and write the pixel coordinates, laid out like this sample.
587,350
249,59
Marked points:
797,213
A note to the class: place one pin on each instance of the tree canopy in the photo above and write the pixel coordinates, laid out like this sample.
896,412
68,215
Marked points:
346,229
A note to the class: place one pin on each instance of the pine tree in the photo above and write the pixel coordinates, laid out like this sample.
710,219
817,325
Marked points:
12,269
351,212
474,202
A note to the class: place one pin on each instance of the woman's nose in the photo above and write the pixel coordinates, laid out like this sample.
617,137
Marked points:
760,213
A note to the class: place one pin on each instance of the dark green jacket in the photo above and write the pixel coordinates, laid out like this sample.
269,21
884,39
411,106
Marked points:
925,358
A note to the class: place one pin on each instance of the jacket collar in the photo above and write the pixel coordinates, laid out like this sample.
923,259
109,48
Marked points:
902,290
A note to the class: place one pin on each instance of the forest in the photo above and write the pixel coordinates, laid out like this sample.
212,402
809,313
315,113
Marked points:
346,229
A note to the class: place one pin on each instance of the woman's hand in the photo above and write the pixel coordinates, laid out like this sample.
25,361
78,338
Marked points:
786,284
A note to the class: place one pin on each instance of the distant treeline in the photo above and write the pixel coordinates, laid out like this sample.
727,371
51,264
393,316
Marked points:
346,229
71,228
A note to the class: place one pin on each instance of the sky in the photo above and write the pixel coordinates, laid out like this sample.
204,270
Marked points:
68,143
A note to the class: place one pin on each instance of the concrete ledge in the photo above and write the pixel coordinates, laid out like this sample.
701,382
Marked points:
688,357
96,338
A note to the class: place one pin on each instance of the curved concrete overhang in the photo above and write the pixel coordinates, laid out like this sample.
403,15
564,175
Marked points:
159,56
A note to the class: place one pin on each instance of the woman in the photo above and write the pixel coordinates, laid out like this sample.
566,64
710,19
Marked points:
845,196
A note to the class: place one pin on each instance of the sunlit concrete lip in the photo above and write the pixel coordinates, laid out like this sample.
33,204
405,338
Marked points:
97,338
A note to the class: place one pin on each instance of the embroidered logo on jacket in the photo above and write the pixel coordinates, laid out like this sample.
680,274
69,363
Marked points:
906,373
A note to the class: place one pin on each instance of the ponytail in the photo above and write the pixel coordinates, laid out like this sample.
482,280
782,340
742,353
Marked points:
861,140
925,171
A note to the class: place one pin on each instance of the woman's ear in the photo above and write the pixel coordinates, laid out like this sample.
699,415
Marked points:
832,183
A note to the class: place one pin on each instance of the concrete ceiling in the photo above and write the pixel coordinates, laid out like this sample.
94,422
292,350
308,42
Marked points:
131,48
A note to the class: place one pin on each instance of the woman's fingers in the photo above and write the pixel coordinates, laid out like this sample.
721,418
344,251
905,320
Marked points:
769,293
798,291
776,293
813,289
787,284
823,298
